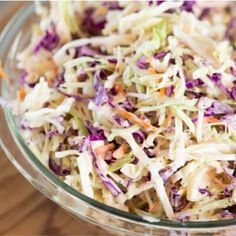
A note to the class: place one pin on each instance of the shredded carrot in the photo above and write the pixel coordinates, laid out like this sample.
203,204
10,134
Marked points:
134,119
162,92
21,94
151,70
101,11
119,88
3,74
104,149
211,119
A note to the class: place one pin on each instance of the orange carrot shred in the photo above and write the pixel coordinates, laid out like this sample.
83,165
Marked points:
151,70
3,74
119,88
162,92
211,119
104,149
134,119
21,94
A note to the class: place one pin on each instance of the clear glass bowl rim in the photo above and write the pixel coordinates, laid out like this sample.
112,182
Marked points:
13,25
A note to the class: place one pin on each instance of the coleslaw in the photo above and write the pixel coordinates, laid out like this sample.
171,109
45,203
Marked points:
134,103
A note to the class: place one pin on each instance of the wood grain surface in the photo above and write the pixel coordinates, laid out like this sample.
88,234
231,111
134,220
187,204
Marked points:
24,210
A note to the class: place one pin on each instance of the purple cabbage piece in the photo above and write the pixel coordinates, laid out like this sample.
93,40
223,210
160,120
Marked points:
102,95
59,80
98,77
128,105
158,2
169,91
178,203
91,23
214,107
139,136
109,183
76,97
184,218
96,133
52,133
216,79
121,121
205,12
142,63
165,173
233,93
112,5
230,32
56,167
150,152
226,214
160,55
204,191
23,81
148,177
188,6
112,60
48,42
233,70
192,83
230,120
24,126
86,51
228,191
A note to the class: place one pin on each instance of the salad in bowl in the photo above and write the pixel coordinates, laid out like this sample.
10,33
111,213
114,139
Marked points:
133,103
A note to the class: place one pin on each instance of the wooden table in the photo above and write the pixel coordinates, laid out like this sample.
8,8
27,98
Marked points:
24,210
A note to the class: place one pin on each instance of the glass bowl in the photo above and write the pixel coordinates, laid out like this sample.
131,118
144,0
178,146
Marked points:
12,40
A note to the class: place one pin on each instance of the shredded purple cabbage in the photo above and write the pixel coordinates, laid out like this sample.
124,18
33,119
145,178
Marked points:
139,136
178,203
226,214
204,191
86,51
76,97
142,63
96,133
169,91
228,191
56,167
150,152
121,121
109,183
214,107
102,95
205,12
192,83
165,173
188,6
91,23
160,55
48,42
23,80
112,5
216,79
230,120
112,60
233,93
128,105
